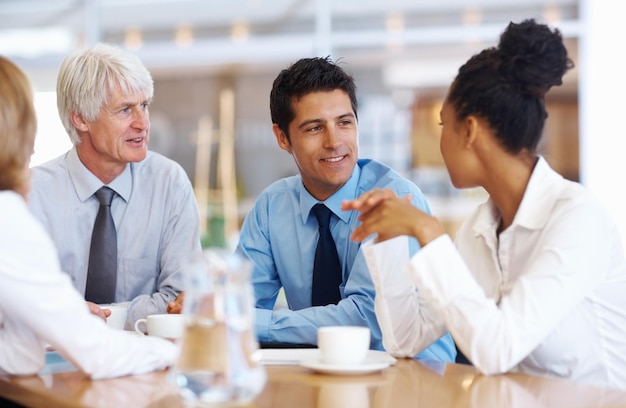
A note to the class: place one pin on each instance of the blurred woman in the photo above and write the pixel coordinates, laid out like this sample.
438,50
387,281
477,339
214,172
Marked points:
536,282
38,304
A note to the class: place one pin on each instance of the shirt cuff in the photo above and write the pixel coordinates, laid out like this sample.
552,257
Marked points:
262,324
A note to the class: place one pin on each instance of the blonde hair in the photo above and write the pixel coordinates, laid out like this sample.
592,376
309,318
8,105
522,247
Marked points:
88,77
18,126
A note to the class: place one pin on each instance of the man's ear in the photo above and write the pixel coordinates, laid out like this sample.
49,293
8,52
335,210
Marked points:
79,123
281,138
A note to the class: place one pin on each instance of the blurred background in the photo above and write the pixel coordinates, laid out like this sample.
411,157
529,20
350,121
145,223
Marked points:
213,63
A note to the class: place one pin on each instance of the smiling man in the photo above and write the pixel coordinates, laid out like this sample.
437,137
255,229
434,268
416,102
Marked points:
103,94
314,114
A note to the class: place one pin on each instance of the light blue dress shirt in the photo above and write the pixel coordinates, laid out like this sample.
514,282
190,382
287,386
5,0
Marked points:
280,236
156,219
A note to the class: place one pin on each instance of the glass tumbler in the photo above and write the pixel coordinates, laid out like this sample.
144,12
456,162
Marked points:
219,359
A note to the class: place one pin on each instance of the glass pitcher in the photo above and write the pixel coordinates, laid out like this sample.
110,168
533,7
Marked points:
219,357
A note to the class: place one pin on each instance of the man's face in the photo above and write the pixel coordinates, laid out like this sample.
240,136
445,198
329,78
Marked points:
323,141
119,135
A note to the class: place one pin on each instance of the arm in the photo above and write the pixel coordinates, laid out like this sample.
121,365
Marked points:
30,317
387,215
565,260
496,334
408,326
273,249
66,323
178,242
300,326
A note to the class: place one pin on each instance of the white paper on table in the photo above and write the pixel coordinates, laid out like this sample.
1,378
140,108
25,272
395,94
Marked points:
293,356
288,356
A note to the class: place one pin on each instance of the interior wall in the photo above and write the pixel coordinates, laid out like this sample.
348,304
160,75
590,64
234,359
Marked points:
404,135
180,101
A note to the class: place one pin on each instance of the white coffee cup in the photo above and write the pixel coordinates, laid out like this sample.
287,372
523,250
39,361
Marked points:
117,319
343,344
169,326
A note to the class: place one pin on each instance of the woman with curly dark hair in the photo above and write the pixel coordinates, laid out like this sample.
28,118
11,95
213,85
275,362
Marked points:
537,279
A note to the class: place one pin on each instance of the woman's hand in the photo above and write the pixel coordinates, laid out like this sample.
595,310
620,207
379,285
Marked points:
389,216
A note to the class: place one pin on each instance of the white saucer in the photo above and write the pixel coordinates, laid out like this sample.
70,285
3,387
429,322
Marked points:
375,361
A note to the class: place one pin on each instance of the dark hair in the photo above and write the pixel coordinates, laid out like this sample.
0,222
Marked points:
305,76
506,85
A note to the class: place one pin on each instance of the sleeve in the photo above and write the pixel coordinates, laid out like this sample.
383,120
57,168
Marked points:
408,326
254,244
180,240
39,305
442,346
569,260
65,322
300,326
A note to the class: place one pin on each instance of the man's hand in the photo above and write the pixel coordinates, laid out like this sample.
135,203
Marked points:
98,311
176,306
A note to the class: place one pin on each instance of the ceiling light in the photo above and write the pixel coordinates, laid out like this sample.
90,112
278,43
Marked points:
552,14
395,23
184,37
133,39
35,43
472,17
240,31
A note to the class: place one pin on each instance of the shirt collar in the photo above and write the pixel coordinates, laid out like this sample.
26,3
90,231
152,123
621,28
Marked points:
540,196
534,211
86,183
346,192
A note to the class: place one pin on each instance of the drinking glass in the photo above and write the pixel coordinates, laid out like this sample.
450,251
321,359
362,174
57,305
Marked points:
219,358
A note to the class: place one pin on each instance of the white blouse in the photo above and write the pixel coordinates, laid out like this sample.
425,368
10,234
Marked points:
39,306
546,297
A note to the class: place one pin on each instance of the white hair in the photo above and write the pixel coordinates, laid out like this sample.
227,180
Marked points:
88,77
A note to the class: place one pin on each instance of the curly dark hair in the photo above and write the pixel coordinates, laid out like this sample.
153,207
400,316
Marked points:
506,85
305,76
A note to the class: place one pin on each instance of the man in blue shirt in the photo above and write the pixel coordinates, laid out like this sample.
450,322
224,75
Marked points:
314,114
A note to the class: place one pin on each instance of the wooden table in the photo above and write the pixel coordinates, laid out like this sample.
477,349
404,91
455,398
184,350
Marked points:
409,383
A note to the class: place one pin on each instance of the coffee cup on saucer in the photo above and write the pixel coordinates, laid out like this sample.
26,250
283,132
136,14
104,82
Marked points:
169,326
345,345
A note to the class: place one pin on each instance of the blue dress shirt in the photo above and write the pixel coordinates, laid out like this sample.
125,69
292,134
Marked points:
155,215
280,236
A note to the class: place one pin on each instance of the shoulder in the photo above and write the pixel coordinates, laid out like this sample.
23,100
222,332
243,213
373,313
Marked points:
284,186
49,172
156,162
550,197
51,179
160,169
580,203
279,197
378,175
15,217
